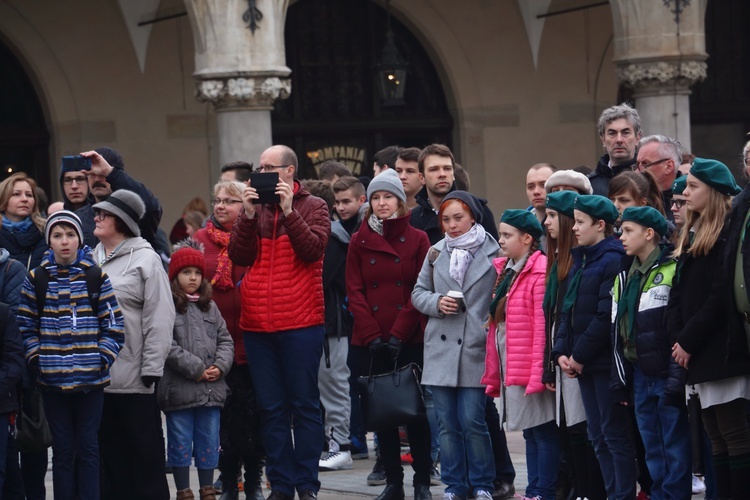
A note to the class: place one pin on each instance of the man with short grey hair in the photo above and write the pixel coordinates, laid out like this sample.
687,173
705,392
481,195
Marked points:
619,130
661,155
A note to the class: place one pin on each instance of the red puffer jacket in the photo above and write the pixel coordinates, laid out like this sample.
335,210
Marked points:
283,287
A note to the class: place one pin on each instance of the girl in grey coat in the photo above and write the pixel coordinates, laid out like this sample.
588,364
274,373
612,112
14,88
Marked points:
454,343
193,389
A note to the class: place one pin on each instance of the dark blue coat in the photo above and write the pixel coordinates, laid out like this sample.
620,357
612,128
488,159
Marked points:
27,247
11,360
584,331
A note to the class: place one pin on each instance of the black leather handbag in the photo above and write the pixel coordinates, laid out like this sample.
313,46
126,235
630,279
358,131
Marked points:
393,398
33,434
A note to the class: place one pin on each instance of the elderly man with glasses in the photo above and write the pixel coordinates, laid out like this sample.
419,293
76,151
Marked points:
661,156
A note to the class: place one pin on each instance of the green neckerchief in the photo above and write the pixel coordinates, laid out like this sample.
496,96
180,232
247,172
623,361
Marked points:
501,291
572,294
627,306
550,293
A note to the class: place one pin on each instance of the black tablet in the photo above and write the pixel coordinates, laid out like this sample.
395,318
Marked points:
265,184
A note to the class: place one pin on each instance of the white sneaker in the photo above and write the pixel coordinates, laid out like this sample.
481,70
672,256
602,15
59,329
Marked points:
699,486
483,495
335,459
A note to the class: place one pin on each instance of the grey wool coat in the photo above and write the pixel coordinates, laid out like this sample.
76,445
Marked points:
454,344
201,339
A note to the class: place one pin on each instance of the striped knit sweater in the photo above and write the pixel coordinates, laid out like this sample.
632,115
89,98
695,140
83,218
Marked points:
74,346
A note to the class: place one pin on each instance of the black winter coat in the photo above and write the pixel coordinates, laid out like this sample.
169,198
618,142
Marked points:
425,218
603,174
11,360
703,317
584,332
339,320
27,247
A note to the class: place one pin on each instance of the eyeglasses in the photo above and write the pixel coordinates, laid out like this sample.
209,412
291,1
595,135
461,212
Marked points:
644,166
81,179
224,201
101,214
679,203
268,168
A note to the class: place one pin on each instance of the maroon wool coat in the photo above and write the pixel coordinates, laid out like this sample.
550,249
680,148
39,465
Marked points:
381,272
228,301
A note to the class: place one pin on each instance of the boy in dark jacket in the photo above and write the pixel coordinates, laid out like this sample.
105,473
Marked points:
642,354
333,376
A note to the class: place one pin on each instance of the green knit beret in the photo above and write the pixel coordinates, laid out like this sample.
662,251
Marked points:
562,202
523,220
597,207
679,185
646,217
715,174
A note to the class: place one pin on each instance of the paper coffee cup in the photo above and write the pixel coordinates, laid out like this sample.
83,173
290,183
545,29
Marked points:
457,296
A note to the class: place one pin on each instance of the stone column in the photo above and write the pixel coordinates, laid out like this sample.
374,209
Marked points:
240,67
660,52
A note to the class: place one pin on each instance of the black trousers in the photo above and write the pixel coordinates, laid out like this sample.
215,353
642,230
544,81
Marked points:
388,440
131,445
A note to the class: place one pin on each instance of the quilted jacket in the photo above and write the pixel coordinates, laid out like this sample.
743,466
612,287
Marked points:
283,287
524,331
585,330
381,272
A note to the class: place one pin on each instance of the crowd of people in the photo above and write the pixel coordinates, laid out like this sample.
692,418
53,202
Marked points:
607,321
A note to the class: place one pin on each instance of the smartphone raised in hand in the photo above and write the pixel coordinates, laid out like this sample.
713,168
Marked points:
74,163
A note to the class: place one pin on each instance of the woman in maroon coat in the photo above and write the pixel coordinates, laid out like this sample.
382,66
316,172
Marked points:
240,438
384,260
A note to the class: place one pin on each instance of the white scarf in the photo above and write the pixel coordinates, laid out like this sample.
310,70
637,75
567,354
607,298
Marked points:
462,251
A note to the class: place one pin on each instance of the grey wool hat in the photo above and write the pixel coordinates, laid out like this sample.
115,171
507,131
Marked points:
387,181
67,217
127,206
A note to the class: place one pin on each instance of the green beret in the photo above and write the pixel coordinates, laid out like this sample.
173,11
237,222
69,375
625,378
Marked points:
598,207
715,174
679,185
523,220
646,217
562,202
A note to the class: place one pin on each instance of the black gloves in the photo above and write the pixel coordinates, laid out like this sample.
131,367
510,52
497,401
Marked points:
394,348
149,380
376,347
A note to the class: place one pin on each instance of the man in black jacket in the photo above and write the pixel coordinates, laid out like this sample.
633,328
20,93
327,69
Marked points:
107,174
619,131
436,164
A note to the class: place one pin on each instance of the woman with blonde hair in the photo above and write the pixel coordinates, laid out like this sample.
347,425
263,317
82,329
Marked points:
22,233
706,312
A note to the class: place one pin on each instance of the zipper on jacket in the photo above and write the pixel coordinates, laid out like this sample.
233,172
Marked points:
273,255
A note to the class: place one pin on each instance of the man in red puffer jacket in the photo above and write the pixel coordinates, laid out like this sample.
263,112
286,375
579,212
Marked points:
283,317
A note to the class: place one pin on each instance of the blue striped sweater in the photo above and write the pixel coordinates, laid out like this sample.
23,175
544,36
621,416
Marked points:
74,346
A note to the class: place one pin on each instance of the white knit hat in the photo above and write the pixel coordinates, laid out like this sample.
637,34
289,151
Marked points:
569,178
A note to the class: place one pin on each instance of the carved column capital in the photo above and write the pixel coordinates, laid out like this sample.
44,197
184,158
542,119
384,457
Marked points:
253,92
641,75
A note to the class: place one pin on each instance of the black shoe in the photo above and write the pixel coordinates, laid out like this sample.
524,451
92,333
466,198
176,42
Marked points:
377,476
275,495
392,492
230,495
503,490
422,492
254,493
308,495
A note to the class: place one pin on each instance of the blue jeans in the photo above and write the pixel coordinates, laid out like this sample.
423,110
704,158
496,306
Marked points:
542,459
434,427
609,433
284,368
74,420
664,429
464,439
193,432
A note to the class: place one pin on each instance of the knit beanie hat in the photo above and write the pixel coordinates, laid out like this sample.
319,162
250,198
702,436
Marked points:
126,205
477,211
569,178
387,181
113,157
67,217
187,253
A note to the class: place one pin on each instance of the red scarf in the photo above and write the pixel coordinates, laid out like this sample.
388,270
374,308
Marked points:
222,280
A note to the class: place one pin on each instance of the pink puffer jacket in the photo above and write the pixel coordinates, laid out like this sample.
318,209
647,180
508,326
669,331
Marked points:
524,331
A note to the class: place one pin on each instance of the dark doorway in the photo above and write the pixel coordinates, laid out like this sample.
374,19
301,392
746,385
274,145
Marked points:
720,105
24,138
335,111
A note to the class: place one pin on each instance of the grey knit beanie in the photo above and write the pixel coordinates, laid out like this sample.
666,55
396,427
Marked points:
127,206
387,181
67,217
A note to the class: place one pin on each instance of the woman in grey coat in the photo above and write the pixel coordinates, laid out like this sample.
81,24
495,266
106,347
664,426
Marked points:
454,343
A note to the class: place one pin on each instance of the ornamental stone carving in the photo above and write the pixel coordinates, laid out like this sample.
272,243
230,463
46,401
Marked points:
661,73
239,92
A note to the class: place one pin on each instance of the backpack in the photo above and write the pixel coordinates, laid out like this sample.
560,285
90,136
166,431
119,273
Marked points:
94,281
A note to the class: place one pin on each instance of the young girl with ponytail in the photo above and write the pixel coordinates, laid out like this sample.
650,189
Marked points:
515,349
